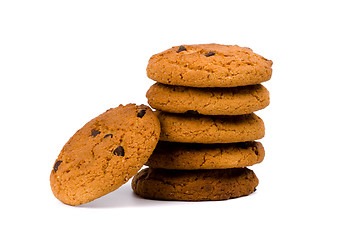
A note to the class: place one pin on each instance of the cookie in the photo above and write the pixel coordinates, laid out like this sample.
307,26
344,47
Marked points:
104,154
195,185
190,156
195,128
209,65
208,101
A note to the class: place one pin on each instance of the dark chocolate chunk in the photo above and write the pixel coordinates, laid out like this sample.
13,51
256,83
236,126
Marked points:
119,151
95,132
108,135
141,113
181,48
254,189
56,165
209,54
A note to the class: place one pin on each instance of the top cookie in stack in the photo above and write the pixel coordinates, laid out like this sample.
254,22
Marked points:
205,97
209,65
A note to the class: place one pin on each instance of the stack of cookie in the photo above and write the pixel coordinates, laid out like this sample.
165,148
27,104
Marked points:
205,97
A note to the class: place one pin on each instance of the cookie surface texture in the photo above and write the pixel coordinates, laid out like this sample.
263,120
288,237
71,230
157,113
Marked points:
190,156
194,128
208,101
104,154
209,65
195,185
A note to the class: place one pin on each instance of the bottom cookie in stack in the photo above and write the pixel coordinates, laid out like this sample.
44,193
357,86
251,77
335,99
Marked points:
194,185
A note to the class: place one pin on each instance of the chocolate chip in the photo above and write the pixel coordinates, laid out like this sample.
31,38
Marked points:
181,48
254,189
56,165
108,135
95,132
119,151
209,54
141,113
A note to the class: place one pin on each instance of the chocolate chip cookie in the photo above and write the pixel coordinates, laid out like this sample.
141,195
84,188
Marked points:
209,65
208,101
104,154
190,156
195,128
195,185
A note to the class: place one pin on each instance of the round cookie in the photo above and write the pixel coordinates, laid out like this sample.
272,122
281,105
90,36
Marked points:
194,128
208,101
190,156
104,154
195,185
209,65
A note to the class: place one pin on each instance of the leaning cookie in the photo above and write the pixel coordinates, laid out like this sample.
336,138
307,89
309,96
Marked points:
209,65
104,154
195,128
195,185
190,156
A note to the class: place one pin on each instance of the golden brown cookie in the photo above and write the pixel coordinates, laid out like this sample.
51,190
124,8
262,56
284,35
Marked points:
209,65
208,101
194,128
195,185
190,156
104,154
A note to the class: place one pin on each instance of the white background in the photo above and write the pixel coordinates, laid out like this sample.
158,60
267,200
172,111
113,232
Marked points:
64,62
